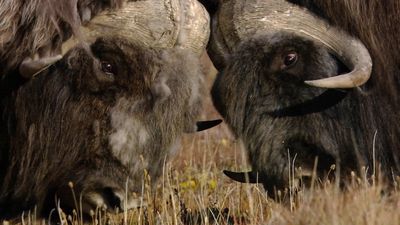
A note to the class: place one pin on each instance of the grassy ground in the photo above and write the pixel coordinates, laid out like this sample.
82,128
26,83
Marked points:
193,190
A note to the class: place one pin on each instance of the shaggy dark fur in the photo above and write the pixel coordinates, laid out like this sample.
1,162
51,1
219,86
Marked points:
255,84
101,115
33,26
377,25
363,127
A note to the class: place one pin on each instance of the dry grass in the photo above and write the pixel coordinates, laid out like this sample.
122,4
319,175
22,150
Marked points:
193,190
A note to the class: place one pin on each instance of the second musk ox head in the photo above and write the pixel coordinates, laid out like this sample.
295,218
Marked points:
286,89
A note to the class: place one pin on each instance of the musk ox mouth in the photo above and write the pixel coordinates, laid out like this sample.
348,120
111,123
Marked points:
304,160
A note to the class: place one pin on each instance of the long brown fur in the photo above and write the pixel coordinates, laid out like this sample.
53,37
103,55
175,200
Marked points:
28,27
377,25
78,123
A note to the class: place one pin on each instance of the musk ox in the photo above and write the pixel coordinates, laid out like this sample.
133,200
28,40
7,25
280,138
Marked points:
97,118
275,113
317,111
111,109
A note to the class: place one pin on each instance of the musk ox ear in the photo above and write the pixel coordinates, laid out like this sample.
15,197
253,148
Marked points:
244,177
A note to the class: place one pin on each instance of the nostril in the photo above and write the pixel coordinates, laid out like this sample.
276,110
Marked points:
112,199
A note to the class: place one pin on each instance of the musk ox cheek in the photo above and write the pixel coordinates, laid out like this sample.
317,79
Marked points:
129,137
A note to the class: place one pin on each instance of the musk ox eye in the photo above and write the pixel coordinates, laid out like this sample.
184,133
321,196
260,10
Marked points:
289,59
107,67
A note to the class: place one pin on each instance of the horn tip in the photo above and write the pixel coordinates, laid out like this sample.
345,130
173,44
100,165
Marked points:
205,125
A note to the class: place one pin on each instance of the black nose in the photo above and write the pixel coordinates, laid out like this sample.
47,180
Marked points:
112,199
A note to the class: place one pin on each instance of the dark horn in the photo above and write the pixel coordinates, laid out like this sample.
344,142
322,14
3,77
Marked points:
244,177
205,125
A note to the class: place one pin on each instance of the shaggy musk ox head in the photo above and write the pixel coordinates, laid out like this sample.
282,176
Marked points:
98,118
289,89
263,98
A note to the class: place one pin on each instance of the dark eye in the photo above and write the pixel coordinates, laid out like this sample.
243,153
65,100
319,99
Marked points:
289,59
107,67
